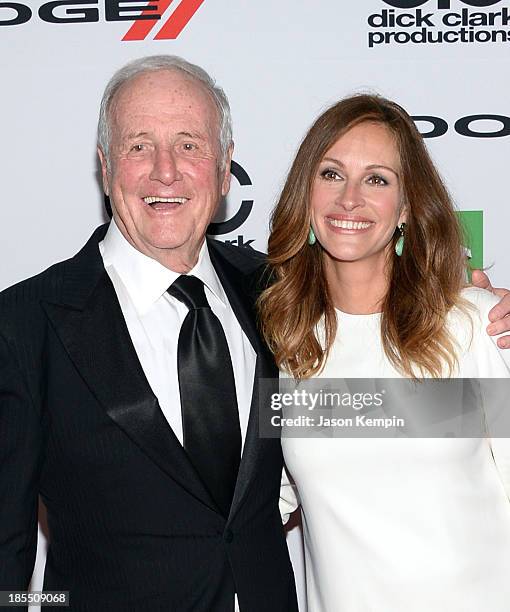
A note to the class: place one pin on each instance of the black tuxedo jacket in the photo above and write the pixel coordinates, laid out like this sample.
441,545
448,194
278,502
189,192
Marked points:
132,527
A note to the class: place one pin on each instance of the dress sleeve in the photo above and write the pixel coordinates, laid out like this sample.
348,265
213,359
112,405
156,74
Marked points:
493,363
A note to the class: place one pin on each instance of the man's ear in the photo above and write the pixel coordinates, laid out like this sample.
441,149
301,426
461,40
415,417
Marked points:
104,170
225,184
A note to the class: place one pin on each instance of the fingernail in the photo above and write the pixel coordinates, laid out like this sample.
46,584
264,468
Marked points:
491,329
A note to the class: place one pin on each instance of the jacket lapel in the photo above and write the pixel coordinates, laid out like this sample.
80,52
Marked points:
241,292
90,324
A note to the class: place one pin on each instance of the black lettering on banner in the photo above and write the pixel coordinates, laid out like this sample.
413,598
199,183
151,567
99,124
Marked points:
387,18
23,13
114,12
84,15
439,126
441,4
405,4
463,126
240,242
452,19
480,3
230,225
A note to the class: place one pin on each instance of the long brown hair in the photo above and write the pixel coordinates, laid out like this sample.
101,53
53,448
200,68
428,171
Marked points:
424,284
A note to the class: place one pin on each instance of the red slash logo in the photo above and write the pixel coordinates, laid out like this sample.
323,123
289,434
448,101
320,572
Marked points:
171,28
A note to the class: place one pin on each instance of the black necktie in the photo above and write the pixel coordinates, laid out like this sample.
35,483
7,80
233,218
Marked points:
210,418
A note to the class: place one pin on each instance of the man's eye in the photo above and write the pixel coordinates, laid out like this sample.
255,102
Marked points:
330,175
189,146
137,148
377,179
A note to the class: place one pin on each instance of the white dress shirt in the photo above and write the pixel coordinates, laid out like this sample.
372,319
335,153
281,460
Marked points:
154,319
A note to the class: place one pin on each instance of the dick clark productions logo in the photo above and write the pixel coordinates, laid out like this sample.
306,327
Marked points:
170,16
439,22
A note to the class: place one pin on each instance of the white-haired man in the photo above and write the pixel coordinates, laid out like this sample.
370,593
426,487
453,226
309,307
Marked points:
127,381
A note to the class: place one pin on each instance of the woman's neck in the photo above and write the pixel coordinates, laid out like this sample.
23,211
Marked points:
357,287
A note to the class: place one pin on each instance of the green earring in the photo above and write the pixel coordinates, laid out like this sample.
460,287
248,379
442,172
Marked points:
399,245
311,237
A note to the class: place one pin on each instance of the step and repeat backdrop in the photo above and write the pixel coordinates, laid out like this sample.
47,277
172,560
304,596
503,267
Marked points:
281,64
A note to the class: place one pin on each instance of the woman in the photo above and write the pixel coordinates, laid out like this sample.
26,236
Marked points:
368,281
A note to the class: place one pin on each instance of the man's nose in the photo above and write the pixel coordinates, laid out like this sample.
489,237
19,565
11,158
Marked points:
165,168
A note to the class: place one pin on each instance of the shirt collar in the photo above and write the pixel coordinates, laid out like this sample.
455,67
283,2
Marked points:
144,278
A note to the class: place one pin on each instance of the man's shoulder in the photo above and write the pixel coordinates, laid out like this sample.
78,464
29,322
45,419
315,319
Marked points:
22,316
246,259
48,285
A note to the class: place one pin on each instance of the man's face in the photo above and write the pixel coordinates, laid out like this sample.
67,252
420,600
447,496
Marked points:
164,178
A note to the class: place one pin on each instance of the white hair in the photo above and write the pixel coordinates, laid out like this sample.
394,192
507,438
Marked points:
154,63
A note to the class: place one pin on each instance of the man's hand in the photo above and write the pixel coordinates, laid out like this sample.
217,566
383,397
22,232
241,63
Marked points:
500,314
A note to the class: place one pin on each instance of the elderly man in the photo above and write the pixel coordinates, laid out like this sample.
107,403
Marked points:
127,394
127,381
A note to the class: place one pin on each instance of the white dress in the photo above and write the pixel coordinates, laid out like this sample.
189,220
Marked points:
404,525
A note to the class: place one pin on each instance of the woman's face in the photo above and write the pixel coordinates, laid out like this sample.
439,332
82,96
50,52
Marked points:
356,195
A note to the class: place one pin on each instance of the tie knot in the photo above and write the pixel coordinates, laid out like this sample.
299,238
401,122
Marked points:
190,291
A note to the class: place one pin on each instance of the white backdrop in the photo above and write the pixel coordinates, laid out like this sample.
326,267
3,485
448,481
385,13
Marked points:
281,63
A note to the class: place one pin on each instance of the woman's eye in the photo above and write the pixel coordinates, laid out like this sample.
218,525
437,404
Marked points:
137,148
330,175
189,146
377,179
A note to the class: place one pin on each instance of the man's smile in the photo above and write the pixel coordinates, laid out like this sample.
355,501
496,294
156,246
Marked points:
151,200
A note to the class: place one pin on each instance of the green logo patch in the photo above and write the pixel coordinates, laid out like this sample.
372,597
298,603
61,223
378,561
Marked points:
472,229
